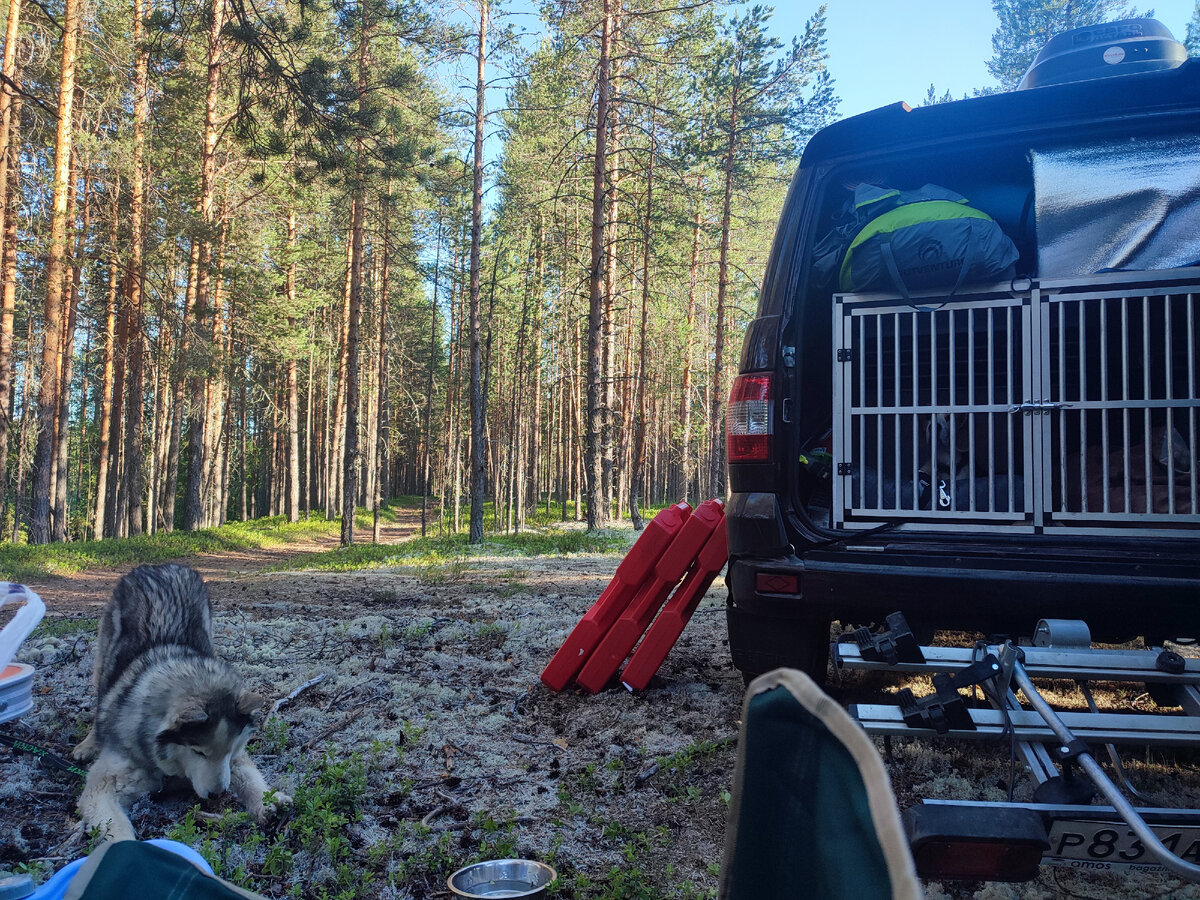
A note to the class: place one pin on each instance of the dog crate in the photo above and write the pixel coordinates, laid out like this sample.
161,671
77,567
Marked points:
1066,403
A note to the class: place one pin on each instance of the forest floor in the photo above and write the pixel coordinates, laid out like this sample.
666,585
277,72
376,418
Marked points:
430,742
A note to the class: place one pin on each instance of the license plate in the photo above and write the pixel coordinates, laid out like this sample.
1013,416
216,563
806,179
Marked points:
1113,847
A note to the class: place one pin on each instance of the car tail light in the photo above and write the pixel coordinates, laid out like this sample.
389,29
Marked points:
749,419
955,840
967,860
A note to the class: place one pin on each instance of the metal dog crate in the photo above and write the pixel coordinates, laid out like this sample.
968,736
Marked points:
1066,403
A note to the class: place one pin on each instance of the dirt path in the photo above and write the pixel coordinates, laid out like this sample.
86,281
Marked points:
83,594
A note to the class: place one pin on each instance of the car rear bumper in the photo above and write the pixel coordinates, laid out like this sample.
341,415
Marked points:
1119,599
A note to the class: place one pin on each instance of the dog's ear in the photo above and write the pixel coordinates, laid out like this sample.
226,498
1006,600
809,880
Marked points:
250,704
180,717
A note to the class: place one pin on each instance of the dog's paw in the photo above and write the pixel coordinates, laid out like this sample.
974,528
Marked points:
270,803
111,832
86,749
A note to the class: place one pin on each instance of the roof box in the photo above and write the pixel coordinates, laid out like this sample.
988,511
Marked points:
1126,47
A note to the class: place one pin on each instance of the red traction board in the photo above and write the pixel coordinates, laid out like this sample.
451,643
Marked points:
634,569
675,615
604,662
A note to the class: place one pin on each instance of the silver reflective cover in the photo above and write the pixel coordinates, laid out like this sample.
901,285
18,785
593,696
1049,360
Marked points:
1131,204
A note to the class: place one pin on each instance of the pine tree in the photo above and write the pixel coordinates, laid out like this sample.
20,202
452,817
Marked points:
1191,39
1026,26
764,102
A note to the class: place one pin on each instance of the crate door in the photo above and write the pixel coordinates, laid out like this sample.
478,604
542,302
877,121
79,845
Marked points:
928,411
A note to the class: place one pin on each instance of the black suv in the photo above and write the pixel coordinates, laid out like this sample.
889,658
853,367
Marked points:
980,456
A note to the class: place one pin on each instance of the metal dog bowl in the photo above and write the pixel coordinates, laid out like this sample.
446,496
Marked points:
502,878
16,690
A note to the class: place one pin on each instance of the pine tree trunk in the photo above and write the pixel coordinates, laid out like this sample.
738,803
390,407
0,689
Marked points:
181,381
351,453
610,407
216,384
135,475
382,410
428,423
8,99
197,439
478,399
685,399
597,514
638,454
337,436
107,389
293,383
307,493
716,464
39,523
10,164
114,525
245,472
23,437
8,292
63,447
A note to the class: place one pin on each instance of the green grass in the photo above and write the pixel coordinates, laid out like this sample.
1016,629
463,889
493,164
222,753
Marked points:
23,562
441,557
62,626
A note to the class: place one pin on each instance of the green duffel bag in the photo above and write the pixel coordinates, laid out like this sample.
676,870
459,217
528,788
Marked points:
925,240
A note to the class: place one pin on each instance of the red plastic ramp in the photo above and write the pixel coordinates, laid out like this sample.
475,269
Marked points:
675,615
634,569
602,665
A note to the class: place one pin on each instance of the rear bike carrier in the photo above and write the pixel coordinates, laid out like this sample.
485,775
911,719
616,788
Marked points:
1062,826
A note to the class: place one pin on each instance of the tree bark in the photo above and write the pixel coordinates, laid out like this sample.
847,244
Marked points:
685,399
135,469
716,469
597,514
181,381
293,382
382,410
63,438
39,523
197,439
478,411
8,292
428,424
337,436
10,114
638,454
350,458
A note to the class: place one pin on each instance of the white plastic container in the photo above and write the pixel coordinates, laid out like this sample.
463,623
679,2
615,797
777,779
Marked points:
16,679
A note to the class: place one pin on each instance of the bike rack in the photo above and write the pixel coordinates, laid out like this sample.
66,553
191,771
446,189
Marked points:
1055,745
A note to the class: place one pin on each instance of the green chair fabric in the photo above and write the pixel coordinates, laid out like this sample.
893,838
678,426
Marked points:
132,869
812,813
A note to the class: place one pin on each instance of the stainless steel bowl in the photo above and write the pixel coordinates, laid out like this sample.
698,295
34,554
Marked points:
502,878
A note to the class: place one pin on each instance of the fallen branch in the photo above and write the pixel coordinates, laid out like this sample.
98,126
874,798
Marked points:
283,701
349,719
534,742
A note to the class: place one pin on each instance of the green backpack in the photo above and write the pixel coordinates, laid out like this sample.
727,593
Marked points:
924,240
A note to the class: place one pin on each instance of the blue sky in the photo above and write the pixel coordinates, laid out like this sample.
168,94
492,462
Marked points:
881,51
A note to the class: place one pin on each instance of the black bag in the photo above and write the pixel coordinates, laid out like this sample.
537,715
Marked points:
928,239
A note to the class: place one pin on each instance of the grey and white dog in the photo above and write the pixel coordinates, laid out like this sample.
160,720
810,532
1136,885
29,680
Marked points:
165,705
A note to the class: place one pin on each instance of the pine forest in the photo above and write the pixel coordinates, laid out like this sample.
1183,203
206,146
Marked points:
297,257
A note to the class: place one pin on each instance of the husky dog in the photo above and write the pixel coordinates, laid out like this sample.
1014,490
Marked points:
165,705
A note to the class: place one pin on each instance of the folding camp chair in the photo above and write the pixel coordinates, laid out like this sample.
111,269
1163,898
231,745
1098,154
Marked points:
812,813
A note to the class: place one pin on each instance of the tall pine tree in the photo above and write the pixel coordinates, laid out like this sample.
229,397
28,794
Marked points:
1026,25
